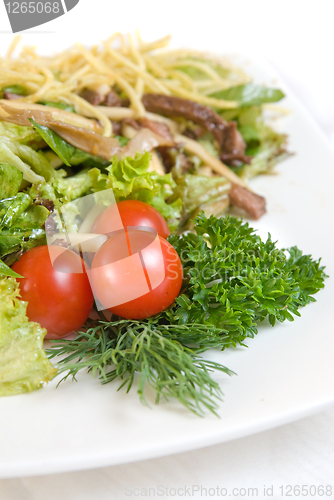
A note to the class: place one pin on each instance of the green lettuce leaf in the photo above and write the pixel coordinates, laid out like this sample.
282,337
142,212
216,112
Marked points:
7,271
26,159
56,143
32,218
14,89
21,224
66,152
249,94
196,73
199,192
122,140
10,180
15,240
12,208
18,133
267,146
8,156
59,105
24,366
73,187
129,178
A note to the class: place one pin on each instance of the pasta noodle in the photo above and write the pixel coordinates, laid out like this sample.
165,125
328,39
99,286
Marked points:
132,65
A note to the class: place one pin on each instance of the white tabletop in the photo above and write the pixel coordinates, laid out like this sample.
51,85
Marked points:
299,42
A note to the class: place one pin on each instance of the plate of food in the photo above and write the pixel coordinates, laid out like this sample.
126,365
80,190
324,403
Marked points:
164,232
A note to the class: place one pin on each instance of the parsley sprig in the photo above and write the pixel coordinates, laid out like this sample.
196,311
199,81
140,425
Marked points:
233,281
236,280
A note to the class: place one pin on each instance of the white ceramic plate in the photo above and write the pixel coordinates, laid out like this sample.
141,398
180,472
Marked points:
287,372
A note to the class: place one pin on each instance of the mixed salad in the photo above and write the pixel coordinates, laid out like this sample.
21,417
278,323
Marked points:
175,136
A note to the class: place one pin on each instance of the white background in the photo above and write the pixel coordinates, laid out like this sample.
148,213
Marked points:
297,37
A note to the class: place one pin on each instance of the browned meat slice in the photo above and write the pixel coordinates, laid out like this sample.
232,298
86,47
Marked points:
132,123
125,102
169,156
252,203
10,96
116,128
226,133
94,98
234,160
194,133
158,128
112,100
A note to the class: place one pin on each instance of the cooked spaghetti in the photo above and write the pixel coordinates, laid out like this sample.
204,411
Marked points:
182,105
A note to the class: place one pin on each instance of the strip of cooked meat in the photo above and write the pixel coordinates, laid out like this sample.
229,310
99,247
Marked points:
252,203
116,128
169,156
226,133
94,98
194,133
112,100
234,160
10,96
132,123
158,128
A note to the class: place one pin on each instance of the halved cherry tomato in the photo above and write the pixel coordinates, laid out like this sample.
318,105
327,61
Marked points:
136,274
134,213
59,294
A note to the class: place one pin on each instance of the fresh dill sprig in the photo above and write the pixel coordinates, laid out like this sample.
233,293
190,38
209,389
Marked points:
120,349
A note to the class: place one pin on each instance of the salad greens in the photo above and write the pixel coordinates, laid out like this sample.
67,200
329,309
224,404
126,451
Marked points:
130,178
266,146
232,281
249,94
14,89
59,105
199,192
21,220
24,366
69,154
10,180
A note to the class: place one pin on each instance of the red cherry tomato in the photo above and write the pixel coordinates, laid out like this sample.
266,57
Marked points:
136,274
59,295
133,213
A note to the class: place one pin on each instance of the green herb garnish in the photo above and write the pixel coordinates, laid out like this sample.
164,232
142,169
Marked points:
232,281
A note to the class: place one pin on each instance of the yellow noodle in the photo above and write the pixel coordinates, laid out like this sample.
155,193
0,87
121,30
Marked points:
277,108
217,166
205,68
155,67
218,103
131,64
182,78
140,83
14,43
